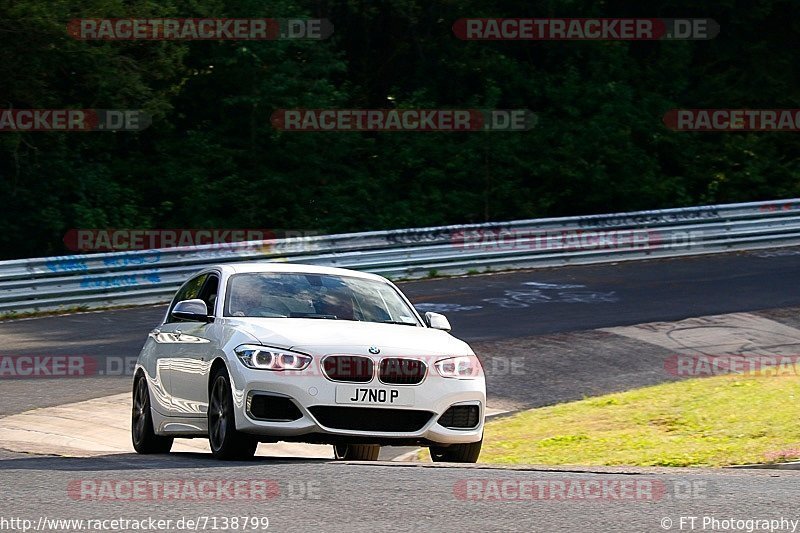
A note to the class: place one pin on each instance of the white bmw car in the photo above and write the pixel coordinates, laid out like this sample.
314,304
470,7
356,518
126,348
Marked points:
266,352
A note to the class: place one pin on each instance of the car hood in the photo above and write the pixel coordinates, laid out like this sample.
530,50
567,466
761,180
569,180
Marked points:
327,336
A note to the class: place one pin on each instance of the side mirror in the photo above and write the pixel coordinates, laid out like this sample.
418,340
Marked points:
194,310
437,321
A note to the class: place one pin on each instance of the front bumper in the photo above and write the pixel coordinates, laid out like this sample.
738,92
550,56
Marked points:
309,389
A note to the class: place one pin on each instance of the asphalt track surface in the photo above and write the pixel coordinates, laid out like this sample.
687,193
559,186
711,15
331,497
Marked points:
616,294
316,495
537,314
526,311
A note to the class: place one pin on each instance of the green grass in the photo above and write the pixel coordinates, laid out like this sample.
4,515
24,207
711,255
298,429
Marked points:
717,421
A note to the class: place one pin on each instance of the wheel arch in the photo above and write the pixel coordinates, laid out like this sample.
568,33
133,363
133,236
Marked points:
138,374
219,363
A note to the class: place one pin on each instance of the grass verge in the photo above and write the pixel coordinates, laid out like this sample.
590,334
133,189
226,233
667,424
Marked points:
716,421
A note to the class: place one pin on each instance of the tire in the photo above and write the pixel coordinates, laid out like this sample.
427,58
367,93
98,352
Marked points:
356,452
145,440
457,453
227,443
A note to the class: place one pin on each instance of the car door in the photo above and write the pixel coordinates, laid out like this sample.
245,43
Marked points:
167,339
194,351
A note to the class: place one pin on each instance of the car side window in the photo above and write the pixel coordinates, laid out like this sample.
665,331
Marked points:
189,291
209,292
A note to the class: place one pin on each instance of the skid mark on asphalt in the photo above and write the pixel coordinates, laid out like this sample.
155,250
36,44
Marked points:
445,308
544,293
732,334
529,293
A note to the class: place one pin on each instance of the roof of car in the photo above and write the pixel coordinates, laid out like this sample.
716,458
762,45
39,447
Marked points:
268,266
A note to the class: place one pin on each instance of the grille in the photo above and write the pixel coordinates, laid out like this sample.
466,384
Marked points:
275,408
402,371
351,368
370,419
460,417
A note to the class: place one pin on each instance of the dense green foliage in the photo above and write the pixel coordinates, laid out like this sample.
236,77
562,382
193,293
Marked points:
212,159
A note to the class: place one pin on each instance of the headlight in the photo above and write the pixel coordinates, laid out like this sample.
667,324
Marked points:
464,367
265,358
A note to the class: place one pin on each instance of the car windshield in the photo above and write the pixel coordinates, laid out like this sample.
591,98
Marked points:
296,295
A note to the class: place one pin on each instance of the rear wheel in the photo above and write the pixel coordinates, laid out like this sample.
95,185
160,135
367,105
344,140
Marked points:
457,453
144,438
226,442
356,452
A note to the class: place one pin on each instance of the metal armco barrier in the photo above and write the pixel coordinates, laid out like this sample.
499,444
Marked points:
152,276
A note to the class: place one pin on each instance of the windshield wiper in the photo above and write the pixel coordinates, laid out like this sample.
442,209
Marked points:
311,315
399,323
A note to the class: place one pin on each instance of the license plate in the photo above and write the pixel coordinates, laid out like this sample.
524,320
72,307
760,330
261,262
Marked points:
374,395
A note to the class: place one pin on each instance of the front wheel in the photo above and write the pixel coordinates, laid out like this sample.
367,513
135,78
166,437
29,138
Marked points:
356,452
144,438
457,453
226,442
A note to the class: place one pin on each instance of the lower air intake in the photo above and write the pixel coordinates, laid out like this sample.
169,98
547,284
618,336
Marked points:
371,419
461,417
272,408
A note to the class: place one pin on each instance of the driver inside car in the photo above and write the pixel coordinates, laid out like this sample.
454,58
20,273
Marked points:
248,300
336,304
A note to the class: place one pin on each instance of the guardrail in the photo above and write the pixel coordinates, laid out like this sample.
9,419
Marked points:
152,276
